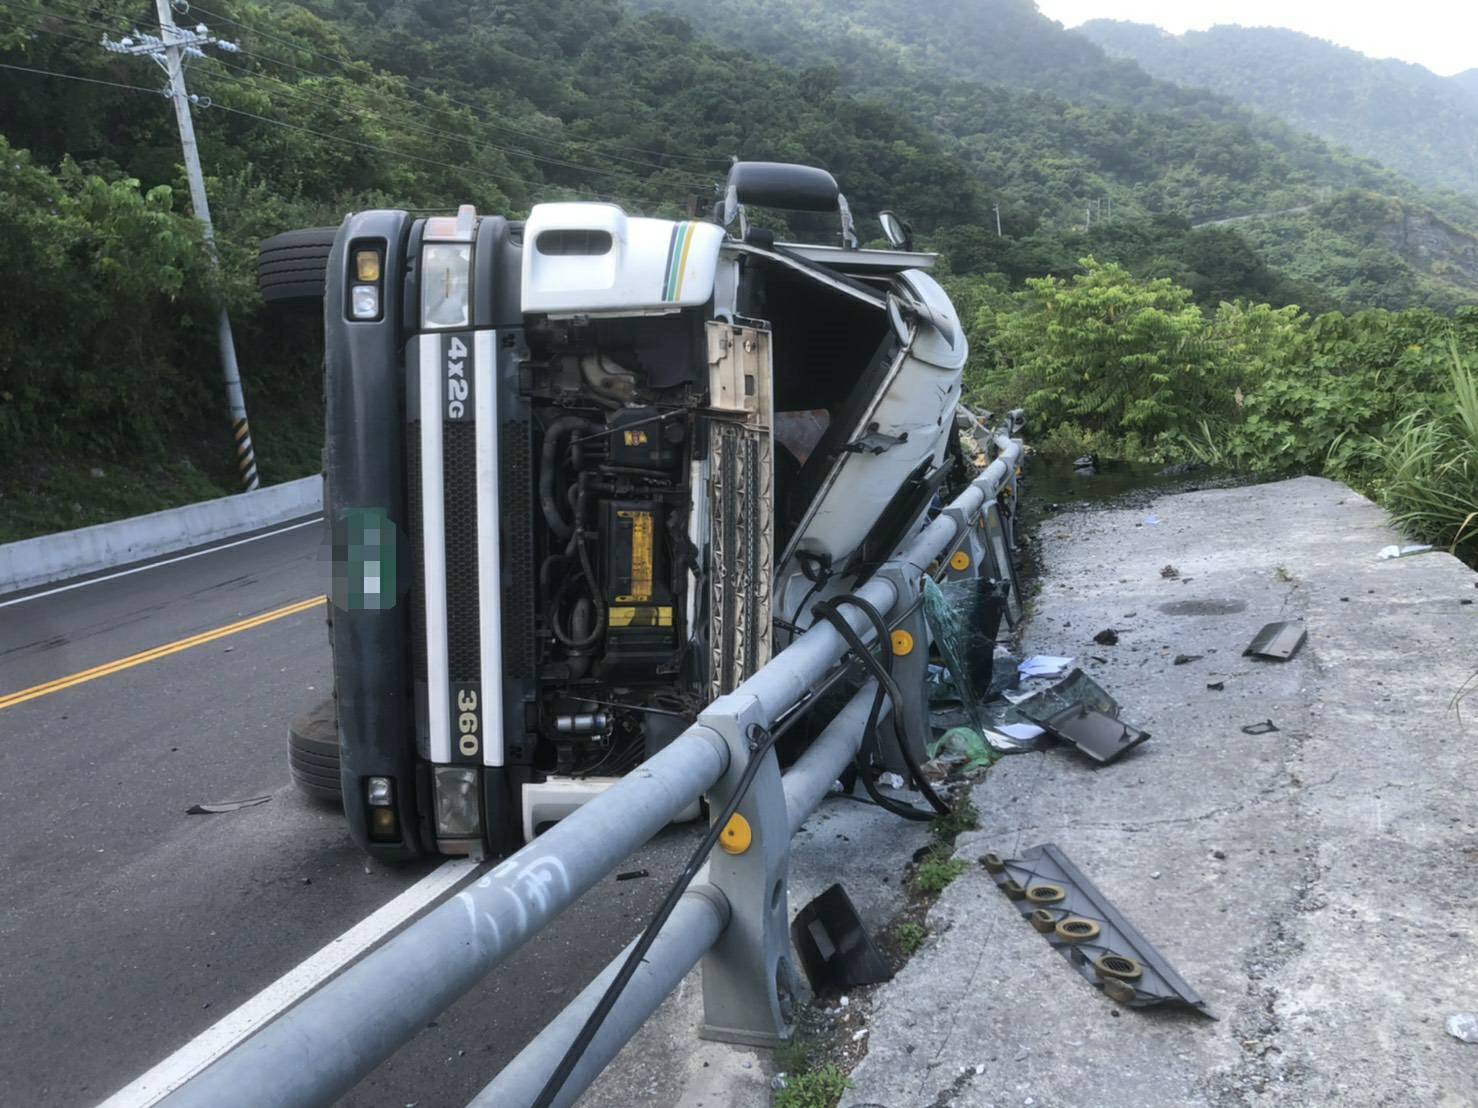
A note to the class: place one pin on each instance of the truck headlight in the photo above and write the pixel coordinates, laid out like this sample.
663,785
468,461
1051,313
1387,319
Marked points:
446,285
458,812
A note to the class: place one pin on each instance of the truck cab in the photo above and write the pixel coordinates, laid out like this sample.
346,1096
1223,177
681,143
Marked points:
587,470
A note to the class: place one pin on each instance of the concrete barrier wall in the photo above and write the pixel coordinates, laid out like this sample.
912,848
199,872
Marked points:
48,558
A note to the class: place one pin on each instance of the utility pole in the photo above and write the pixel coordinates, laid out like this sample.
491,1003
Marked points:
997,207
169,50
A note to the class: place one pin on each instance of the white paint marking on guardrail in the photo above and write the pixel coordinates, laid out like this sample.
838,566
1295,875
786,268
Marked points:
290,988
164,562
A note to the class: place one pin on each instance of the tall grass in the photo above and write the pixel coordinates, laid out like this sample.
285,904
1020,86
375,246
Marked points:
1430,484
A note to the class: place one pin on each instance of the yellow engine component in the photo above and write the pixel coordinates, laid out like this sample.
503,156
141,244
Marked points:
959,560
902,642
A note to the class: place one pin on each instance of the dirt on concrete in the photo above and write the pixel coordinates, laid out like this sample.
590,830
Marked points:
1316,885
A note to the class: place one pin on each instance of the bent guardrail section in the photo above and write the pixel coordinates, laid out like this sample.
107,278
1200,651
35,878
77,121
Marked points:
734,917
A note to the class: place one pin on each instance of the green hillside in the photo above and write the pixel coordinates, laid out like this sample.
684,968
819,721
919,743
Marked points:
1401,115
944,109
1062,135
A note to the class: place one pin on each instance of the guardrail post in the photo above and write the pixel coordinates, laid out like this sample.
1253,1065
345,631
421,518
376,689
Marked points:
749,983
910,647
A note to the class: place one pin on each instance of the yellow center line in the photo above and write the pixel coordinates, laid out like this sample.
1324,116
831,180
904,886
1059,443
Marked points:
157,652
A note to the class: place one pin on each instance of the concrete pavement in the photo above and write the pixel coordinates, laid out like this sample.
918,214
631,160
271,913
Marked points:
1316,885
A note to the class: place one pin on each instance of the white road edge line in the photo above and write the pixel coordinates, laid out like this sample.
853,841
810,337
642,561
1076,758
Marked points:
165,562
288,989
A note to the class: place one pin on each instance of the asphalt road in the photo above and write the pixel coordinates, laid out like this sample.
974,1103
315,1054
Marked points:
128,927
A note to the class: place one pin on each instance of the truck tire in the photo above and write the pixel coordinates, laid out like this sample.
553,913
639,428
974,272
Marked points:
313,752
292,265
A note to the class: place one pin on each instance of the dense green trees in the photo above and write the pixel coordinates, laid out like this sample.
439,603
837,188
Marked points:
1128,368
941,109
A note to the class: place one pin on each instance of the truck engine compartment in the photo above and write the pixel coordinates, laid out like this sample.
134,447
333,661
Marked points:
614,403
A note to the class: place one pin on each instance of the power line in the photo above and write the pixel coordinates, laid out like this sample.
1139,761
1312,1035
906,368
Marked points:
379,149
478,139
283,123
295,45
290,90
365,70
690,178
75,77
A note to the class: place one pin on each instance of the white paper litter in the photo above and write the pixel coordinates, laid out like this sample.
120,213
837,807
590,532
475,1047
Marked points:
890,780
1402,551
1044,665
1014,736
1021,732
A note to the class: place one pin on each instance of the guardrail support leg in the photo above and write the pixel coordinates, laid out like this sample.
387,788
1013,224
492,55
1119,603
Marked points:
911,673
749,983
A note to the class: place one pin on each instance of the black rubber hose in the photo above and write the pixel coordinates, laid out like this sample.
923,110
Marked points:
549,470
882,671
628,968
905,748
827,610
571,639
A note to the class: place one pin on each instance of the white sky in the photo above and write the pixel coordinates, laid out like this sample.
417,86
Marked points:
1439,34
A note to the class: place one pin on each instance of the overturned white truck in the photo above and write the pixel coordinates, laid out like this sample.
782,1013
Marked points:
589,470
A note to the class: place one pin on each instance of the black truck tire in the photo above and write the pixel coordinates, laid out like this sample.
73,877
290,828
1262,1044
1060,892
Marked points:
292,265
313,752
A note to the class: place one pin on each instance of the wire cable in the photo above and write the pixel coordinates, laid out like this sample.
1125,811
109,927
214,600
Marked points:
690,177
342,109
759,750
76,77
883,672
368,69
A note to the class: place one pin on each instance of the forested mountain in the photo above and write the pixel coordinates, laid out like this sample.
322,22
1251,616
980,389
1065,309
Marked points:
942,109
1467,81
1403,116
1051,125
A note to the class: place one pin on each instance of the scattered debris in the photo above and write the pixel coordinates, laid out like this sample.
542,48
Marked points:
1186,659
1044,665
1403,551
961,745
1277,640
1107,637
1216,686
834,947
1151,521
890,780
1012,738
225,806
631,875
1464,1026
1100,736
1170,573
1086,929
1266,727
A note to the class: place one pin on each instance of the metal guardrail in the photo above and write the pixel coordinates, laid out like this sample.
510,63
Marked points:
734,918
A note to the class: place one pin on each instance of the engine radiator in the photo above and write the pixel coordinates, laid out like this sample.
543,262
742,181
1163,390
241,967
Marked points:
741,504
